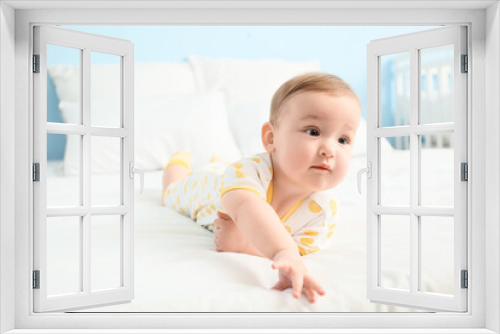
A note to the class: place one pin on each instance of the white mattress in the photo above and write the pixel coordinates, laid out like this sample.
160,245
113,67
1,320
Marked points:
177,268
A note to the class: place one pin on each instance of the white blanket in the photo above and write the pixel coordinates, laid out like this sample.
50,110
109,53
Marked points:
177,268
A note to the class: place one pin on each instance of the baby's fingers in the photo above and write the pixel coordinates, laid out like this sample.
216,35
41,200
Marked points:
314,285
280,264
283,266
219,224
280,286
311,296
297,284
295,277
216,242
222,215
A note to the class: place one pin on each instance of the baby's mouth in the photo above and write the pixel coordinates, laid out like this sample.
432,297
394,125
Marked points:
323,167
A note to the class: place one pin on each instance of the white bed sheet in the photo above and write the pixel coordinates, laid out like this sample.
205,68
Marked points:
177,268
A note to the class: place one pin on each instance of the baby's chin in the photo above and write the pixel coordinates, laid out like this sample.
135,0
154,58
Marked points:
331,185
323,187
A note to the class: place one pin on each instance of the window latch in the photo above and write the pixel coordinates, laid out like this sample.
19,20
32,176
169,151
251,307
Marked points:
368,172
133,170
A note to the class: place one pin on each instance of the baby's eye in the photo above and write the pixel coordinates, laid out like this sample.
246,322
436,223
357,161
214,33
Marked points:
343,141
312,132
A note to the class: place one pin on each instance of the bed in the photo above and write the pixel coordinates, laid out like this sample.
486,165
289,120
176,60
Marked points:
177,268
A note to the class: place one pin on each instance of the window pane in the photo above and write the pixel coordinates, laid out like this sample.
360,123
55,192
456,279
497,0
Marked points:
395,89
395,252
437,172
437,95
63,176
437,254
105,169
105,90
63,255
395,171
63,67
105,236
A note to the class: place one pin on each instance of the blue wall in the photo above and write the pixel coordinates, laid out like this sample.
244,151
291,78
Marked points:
340,50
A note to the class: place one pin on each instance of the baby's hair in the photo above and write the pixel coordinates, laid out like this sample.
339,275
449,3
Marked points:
308,82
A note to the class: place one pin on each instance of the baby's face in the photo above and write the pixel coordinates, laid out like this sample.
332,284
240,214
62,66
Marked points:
313,143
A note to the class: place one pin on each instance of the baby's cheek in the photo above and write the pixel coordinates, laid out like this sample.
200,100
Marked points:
344,168
292,164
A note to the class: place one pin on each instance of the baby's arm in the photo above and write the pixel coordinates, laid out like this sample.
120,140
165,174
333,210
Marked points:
258,222
261,226
228,238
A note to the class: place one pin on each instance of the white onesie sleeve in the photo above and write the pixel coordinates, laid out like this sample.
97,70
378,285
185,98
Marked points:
253,174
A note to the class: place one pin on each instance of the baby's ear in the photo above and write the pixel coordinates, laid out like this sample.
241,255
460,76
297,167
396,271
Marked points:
268,137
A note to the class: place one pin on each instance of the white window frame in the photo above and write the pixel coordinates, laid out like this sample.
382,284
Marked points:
483,125
412,213
86,44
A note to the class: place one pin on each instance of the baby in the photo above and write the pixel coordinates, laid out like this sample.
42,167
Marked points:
278,204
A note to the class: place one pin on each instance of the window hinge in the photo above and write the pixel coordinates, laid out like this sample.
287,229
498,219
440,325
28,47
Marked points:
465,279
36,172
465,64
464,171
36,279
36,63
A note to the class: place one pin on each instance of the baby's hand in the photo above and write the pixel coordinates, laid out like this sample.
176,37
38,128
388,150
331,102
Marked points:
228,237
293,273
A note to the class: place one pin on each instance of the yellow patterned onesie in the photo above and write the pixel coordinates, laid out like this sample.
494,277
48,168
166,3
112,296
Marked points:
310,222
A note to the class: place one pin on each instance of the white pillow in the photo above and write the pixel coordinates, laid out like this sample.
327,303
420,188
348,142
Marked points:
254,77
156,79
163,125
251,116
246,83
150,79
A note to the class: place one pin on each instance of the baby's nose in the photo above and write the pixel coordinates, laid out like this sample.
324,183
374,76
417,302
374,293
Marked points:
328,151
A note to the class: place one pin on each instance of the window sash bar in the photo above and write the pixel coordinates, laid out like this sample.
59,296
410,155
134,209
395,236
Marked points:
426,129
70,129
418,211
85,275
82,211
414,170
